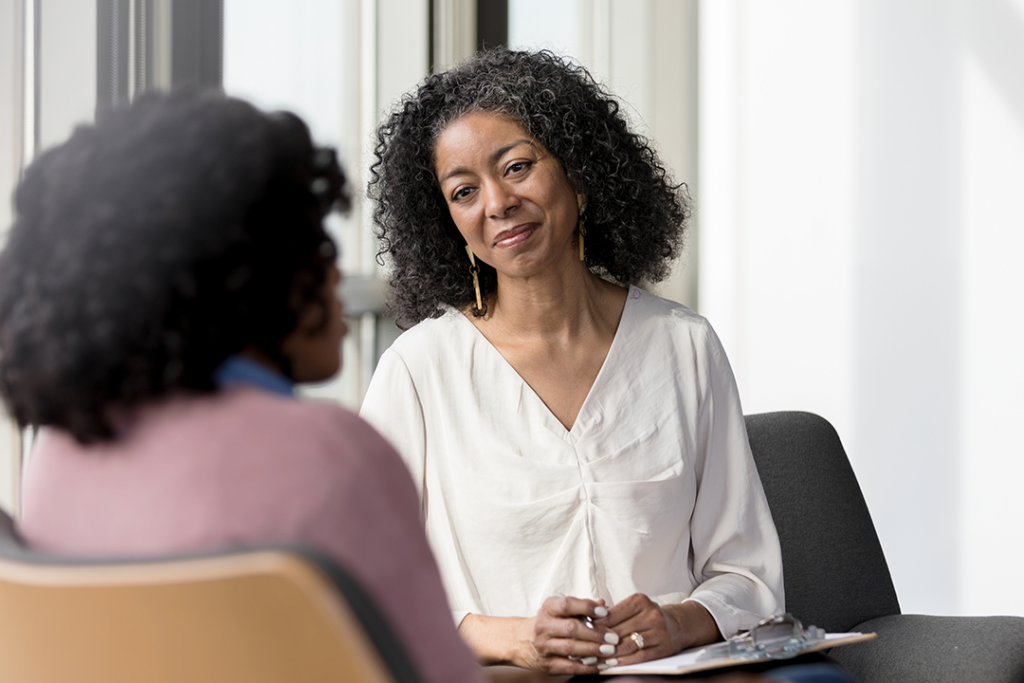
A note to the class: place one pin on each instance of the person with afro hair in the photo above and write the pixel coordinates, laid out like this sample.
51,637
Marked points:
165,283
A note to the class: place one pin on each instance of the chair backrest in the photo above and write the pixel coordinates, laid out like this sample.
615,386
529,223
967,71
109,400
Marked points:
835,572
261,615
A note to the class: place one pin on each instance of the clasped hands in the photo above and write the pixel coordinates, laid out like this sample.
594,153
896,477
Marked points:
561,640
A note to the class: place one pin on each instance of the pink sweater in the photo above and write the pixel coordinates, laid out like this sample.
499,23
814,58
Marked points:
248,466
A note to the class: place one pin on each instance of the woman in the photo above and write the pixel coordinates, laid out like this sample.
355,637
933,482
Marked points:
166,281
579,446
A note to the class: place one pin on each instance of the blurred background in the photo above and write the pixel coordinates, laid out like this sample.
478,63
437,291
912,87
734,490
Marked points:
857,169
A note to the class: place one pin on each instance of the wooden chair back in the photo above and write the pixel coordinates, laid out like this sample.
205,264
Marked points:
259,616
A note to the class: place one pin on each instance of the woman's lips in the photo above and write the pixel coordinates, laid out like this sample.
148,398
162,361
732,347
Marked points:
514,236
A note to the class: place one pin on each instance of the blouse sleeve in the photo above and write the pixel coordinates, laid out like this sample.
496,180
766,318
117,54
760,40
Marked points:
736,554
392,405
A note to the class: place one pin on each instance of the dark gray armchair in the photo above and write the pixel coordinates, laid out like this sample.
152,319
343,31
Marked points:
836,576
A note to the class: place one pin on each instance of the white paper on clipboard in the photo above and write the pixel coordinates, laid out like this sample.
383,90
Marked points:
718,656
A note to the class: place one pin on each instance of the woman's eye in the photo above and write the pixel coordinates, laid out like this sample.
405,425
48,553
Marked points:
461,193
517,167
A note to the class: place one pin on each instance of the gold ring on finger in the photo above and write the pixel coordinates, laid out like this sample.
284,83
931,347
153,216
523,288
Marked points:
638,639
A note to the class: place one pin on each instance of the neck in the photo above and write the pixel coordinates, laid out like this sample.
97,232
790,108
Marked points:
565,303
255,353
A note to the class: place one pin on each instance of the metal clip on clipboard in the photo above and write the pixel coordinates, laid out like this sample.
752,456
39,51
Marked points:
778,637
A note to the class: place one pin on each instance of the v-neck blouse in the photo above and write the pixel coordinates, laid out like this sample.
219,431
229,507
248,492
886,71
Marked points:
653,490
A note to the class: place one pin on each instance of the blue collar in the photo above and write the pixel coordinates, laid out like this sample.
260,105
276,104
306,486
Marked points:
241,370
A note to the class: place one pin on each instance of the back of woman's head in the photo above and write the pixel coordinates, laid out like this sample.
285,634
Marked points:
152,245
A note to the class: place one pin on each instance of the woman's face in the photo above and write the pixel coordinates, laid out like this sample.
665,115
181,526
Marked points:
508,195
313,348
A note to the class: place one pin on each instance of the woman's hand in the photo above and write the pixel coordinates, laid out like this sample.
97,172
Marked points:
556,641
662,631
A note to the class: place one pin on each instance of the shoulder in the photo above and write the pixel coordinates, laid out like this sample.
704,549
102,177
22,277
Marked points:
678,336
257,417
430,347
654,315
336,446
432,334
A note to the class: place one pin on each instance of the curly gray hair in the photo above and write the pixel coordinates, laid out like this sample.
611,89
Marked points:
636,215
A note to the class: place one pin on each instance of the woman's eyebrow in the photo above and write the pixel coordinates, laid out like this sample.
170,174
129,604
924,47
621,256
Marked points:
499,153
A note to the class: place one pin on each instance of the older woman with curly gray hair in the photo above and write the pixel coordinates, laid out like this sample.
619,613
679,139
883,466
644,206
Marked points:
578,443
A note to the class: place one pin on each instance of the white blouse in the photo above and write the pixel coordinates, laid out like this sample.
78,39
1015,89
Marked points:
652,491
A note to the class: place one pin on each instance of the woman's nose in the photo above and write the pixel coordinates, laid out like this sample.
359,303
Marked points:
499,199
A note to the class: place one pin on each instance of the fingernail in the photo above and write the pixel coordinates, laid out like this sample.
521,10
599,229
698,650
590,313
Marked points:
607,649
611,637
600,611
611,661
588,661
602,667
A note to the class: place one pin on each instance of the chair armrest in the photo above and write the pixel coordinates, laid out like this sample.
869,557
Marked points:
913,648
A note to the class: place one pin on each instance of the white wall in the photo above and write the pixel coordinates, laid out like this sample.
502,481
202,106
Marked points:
10,151
10,115
645,52
991,333
860,165
67,97
67,68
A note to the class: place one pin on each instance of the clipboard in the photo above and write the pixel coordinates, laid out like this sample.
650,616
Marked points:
777,638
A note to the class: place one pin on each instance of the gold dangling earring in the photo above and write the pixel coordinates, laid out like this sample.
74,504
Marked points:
581,225
480,309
